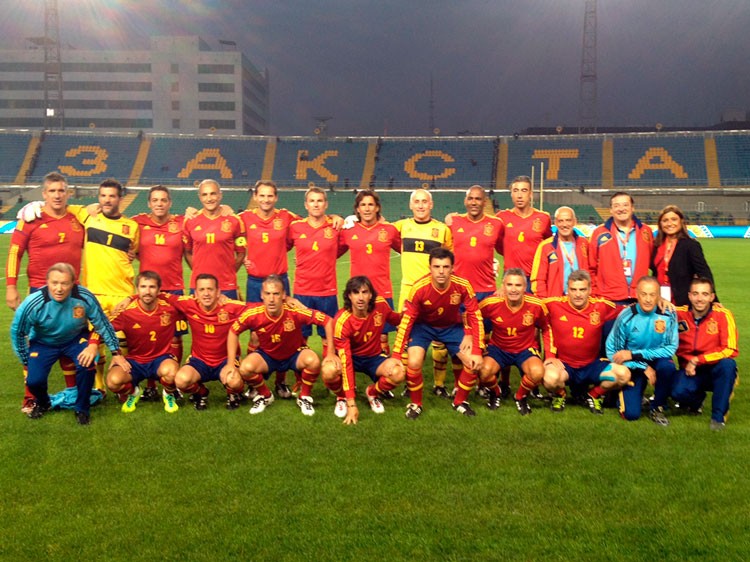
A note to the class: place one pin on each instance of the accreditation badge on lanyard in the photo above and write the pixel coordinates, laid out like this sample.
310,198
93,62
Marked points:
627,264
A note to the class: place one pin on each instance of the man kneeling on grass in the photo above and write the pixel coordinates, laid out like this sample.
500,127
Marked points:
432,313
356,335
281,346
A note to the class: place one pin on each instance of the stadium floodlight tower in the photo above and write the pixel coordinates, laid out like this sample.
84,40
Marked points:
587,105
54,114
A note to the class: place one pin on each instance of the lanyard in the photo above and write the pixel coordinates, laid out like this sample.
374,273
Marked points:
570,259
623,241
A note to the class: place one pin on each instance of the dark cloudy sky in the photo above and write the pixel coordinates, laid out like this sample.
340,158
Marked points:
498,65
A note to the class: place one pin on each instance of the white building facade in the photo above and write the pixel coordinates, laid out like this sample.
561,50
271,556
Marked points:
180,85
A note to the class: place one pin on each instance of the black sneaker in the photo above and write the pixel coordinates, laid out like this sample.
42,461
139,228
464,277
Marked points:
178,397
37,412
504,391
523,406
483,392
595,404
441,392
657,416
199,402
83,418
233,401
536,394
493,400
150,395
283,391
387,395
465,409
413,411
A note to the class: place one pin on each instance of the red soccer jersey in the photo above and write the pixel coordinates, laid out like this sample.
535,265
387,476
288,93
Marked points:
474,244
361,337
575,335
316,250
440,309
515,331
210,328
213,243
280,337
713,338
161,249
267,242
522,236
370,252
149,334
48,240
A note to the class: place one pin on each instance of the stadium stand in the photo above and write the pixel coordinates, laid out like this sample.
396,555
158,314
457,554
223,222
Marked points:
183,161
455,162
13,147
733,151
338,162
86,159
653,160
568,161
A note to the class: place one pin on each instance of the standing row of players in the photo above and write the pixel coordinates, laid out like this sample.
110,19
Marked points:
215,242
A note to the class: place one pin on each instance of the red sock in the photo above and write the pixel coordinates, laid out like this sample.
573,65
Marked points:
280,378
466,381
383,385
526,386
125,391
169,388
308,380
197,388
258,383
415,382
597,392
336,387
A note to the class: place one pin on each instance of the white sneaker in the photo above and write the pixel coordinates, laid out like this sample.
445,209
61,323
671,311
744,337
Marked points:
375,404
260,404
340,409
305,404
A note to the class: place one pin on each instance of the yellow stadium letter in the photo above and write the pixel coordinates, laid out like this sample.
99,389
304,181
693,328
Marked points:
317,165
98,163
657,158
553,158
410,166
207,159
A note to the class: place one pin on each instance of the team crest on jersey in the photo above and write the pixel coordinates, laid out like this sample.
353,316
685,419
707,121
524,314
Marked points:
328,232
712,328
173,227
278,224
378,318
435,233
226,226
223,316
75,226
536,226
382,236
288,325
528,318
455,298
595,318
660,326
646,235
126,229
79,312
488,229
165,319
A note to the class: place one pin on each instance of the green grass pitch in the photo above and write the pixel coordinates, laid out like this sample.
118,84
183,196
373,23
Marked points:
224,485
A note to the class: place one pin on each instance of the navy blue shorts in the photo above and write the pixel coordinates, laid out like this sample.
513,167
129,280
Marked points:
422,335
369,365
206,372
506,359
142,371
328,305
590,374
280,366
254,285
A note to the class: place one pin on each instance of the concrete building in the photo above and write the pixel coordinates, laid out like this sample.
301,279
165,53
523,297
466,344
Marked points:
180,85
